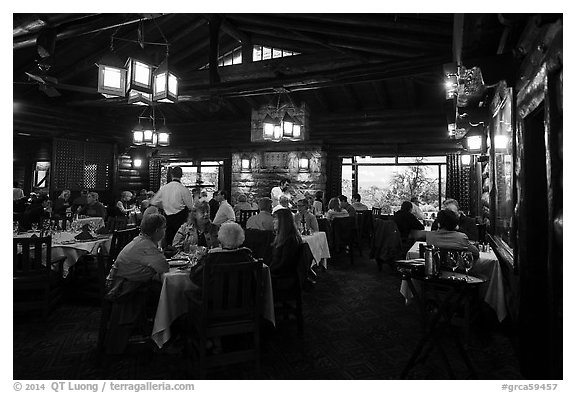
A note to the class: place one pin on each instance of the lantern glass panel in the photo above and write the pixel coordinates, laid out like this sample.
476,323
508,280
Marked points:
160,83
474,142
296,131
148,135
172,85
142,73
277,132
163,138
287,128
303,163
112,77
500,142
268,129
245,164
138,137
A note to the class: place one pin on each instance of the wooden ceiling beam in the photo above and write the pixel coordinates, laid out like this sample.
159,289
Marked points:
377,36
384,22
104,22
378,93
351,96
265,81
322,100
281,39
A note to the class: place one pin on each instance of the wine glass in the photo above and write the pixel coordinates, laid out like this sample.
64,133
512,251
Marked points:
452,261
468,261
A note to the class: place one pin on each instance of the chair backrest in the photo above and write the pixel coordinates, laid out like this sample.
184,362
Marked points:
120,238
365,222
232,292
245,215
376,211
116,223
31,256
444,254
344,230
260,243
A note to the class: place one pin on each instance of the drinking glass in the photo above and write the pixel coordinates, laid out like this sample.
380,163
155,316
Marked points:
34,226
452,261
468,261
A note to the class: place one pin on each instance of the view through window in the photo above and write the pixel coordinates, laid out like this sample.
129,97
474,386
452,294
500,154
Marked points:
204,176
387,182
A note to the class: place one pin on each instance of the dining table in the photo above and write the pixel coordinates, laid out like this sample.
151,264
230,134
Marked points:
486,268
95,222
174,302
64,244
318,243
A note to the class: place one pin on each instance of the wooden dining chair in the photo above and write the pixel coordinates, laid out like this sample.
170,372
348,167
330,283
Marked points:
376,211
345,235
231,307
245,215
37,278
90,275
260,243
116,223
287,290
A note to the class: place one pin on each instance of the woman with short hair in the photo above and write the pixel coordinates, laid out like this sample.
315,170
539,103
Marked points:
231,238
122,206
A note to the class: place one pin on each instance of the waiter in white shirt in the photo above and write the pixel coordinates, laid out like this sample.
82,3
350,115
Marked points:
176,201
279,191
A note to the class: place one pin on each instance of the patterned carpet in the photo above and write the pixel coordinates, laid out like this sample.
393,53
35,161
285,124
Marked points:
356,327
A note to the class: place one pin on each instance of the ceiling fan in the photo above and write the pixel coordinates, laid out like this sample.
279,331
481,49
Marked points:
45,84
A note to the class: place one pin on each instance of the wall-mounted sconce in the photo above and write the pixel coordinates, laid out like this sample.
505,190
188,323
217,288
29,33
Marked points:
304,163
245,164
476,139
501,142
137,162
465,159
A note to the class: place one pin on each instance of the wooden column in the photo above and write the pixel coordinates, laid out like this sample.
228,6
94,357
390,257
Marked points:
214,43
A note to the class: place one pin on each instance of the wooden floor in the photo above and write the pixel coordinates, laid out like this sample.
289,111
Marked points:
357,326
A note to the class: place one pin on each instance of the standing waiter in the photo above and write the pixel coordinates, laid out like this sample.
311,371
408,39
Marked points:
176,201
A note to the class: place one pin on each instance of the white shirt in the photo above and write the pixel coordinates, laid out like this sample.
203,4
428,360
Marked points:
174,197
417,212
224,214
275,194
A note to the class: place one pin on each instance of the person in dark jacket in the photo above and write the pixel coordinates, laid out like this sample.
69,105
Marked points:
285,247
466,225
406,221
214,205
38,210
61,204
93,208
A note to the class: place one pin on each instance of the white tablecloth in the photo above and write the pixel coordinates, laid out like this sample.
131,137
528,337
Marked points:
486,267
319,246
174,303
74,251
98,222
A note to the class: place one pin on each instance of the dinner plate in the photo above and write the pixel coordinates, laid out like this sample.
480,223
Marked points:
177,262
